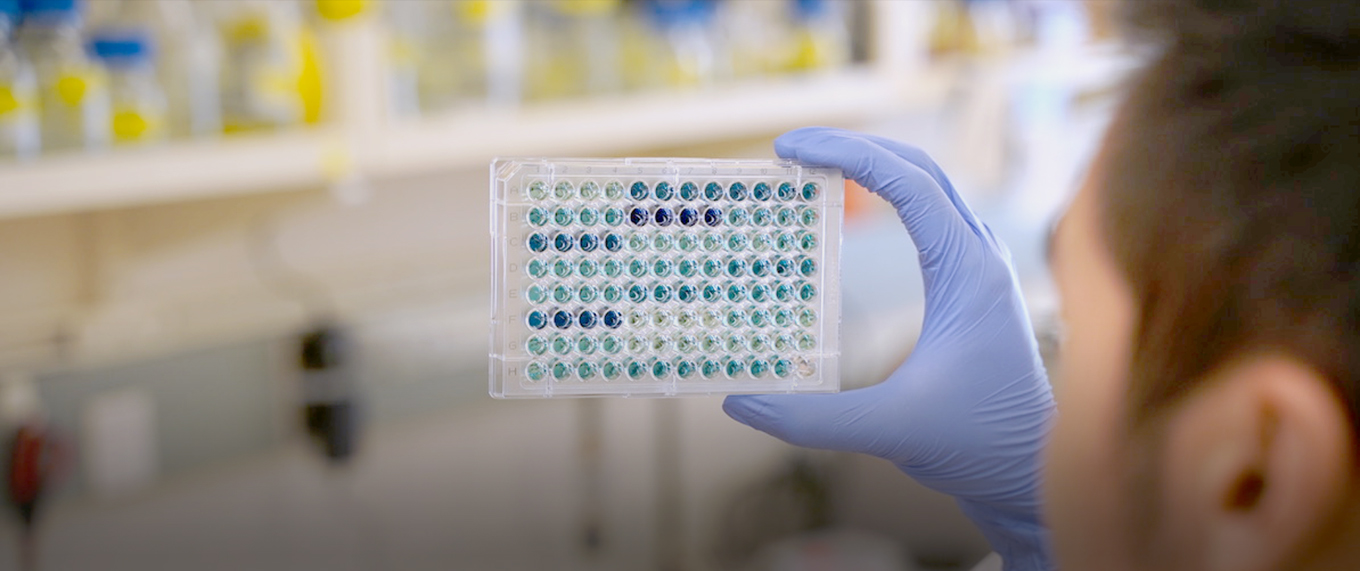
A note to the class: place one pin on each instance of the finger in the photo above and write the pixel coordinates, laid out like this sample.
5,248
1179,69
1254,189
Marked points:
932,219
844,421
787,146
922,159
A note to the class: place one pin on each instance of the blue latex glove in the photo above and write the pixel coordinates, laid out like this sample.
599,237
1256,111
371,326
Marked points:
969,411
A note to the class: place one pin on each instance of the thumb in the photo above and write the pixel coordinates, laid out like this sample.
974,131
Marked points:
843,421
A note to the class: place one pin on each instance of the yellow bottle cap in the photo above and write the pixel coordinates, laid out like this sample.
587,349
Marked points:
337,10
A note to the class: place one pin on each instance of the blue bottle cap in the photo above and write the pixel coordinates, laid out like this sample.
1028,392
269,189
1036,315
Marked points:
122,46
52,8
9,10
809,8
51,13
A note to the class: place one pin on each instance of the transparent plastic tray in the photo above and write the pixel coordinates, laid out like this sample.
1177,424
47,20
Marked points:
662,277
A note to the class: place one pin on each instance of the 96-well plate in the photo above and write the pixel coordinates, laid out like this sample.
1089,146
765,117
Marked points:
664,277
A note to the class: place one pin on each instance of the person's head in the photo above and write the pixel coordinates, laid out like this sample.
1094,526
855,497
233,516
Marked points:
1210,276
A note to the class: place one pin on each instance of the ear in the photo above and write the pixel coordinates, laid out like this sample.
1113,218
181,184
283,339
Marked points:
1256,464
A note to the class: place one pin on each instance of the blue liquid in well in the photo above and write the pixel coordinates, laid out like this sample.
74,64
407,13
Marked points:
713,191
688,216
638,216
737,191
664,191
637,293
761,191
689,191
638,191
564,216
663,216
810,191
589,242
537,242
713,216
563,242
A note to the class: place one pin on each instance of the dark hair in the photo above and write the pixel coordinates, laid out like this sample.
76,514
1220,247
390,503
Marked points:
1230,193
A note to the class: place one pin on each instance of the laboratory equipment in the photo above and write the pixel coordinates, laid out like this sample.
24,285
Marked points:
756,37
444,54
573,48
331,405
673,43
139,110
265,59
18,91
72,90
664,277
821,36
188,60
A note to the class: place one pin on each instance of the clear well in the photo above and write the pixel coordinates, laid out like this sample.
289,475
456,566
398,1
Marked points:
663,277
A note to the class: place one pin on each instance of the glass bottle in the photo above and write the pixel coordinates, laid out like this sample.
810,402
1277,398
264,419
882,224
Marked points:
18,91
72,90
139,110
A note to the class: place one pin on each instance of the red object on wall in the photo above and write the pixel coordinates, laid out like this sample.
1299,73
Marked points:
35,461
856,200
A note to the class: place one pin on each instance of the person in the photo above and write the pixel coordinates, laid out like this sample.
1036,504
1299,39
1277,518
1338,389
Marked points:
1209,270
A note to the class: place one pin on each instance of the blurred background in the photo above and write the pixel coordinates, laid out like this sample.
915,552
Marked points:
244,252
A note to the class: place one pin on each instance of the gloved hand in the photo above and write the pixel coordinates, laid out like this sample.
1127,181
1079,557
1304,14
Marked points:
968,413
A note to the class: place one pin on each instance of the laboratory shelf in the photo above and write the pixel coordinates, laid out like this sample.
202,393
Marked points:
174,172
623,124
315,158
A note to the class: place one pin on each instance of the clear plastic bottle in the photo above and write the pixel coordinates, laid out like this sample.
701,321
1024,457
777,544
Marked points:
18,92
680,43
188,59
263,61
139,110
456,52
573,48
821,36
72,90
408,40
756,36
